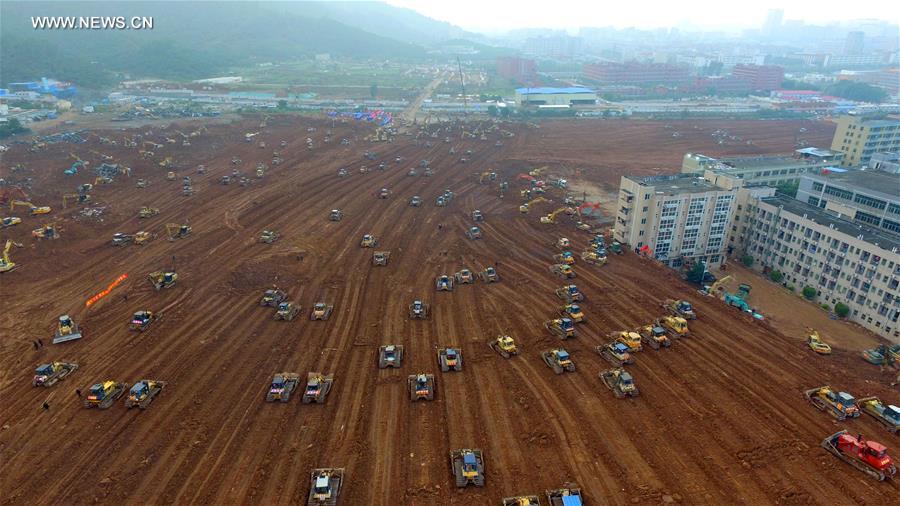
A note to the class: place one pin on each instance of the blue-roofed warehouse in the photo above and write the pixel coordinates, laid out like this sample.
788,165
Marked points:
572,96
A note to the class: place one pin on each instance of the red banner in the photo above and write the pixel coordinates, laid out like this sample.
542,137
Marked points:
108,289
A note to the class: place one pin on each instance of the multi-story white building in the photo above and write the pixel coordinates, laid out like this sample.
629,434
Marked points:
769,169
870,197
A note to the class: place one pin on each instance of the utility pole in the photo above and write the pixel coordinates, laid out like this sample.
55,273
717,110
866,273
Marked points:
462,83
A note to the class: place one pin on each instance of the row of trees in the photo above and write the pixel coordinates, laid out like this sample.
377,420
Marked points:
11,127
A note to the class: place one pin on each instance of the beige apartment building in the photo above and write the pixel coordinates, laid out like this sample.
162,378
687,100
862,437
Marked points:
861,136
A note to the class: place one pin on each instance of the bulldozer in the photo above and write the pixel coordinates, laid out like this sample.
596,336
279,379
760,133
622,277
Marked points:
325,487
176,231
574,312
869,457
141,320
444,283
655,336
268,236
287,311
336,215
615,353
420,386
620,382
562,270
418,310
142,237
163,279
630,339
143,392
103,395
569,495
675,325
450,359
66,330
321,311
46,375
390,355
815,343
504,345
570,294
840,405
10,221
468,467
318,386
283,384
521,500
566,257
148,212
551,218
474,233
563,327
272,297
464,277
680,308
593,258
381,257
489,275
559,360
886,414
368,241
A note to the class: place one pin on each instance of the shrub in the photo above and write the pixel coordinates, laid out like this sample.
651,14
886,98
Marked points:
791,288
809,292
776,276
841,309
747,260
826,307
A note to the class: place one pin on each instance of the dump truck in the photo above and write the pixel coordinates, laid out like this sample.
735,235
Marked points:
464,277
569,495
272,297
46,375
620,382
66,330
421,386
680,308
381,257
869,457
630,339
468,467
887,414
325,487
521,500
675,325
838,404
287,311
489,275
615,353
450,359
321,311
283,384
562,270
318,386
418,310
562,327
103,395
569,293
559,360
141,320
162,279
444,283
574,312
390,355
143,392
655,336
268,236
121,239
504,345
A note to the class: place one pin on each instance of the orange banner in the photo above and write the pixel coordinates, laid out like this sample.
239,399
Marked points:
108,289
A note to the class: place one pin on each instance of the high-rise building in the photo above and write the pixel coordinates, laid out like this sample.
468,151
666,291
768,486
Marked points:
773,21
860,136
761,77
853,45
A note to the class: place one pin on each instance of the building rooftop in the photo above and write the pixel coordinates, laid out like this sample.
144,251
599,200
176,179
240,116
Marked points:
881,238
553,91
876,181
749,162
676,184
819,152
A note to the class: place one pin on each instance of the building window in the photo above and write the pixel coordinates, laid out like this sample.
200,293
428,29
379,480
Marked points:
868,218
813,201
868,201
817,187
837,192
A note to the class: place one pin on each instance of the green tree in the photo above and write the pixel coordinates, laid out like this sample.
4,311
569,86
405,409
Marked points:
809,292
790,84
373,90
747,260
493,110
841,309
789,188
857,91
695,275
282,104
11,127
776,276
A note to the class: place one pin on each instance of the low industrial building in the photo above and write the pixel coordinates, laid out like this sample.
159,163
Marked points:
769,169
573,96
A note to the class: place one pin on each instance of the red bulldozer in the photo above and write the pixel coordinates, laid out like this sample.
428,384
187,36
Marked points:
867,456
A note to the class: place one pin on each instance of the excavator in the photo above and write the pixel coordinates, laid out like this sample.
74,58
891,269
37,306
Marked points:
35,210
539,171
82,198
712,290
524,208
551,218
816,344
163,279
147,212
6,264
47,231
10,221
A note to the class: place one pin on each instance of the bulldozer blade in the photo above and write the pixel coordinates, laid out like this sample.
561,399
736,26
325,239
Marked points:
68,337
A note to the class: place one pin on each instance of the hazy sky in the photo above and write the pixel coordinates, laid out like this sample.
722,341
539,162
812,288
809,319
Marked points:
501,15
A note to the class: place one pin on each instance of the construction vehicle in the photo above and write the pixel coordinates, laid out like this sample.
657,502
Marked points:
593,258
559,360
9,221
421,386
562,243
325,487
141,320
176,231
268,236
521,500
120,239
148,212
562,270
441,201
225,180
655,336
416,201
489,275
574,312
815,343
81,198
869,457
504,345
47,231
886,414
170,176
680,308
46,375
477,216
66,330
562,327
567,496
524,208
675,325
412,172
630,339
368,241
569,293
468,467
381,257
615,353
464,277
565,257
838,404
143,392
444,283
163,279
384,193
881,355
336,215
272,297
390,355
551,218
321,311
287,311
103,395
318,386
450,359
616,248
141,183
418,310
473,233
282,386
620,382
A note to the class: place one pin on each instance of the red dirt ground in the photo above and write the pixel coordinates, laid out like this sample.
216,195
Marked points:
720,420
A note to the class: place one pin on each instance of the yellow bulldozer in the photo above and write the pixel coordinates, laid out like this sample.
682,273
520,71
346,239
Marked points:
176,231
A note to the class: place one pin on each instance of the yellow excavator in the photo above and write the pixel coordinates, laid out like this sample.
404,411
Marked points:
538,172
81,198
6,264
35,210
524,208
713,290
551,218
